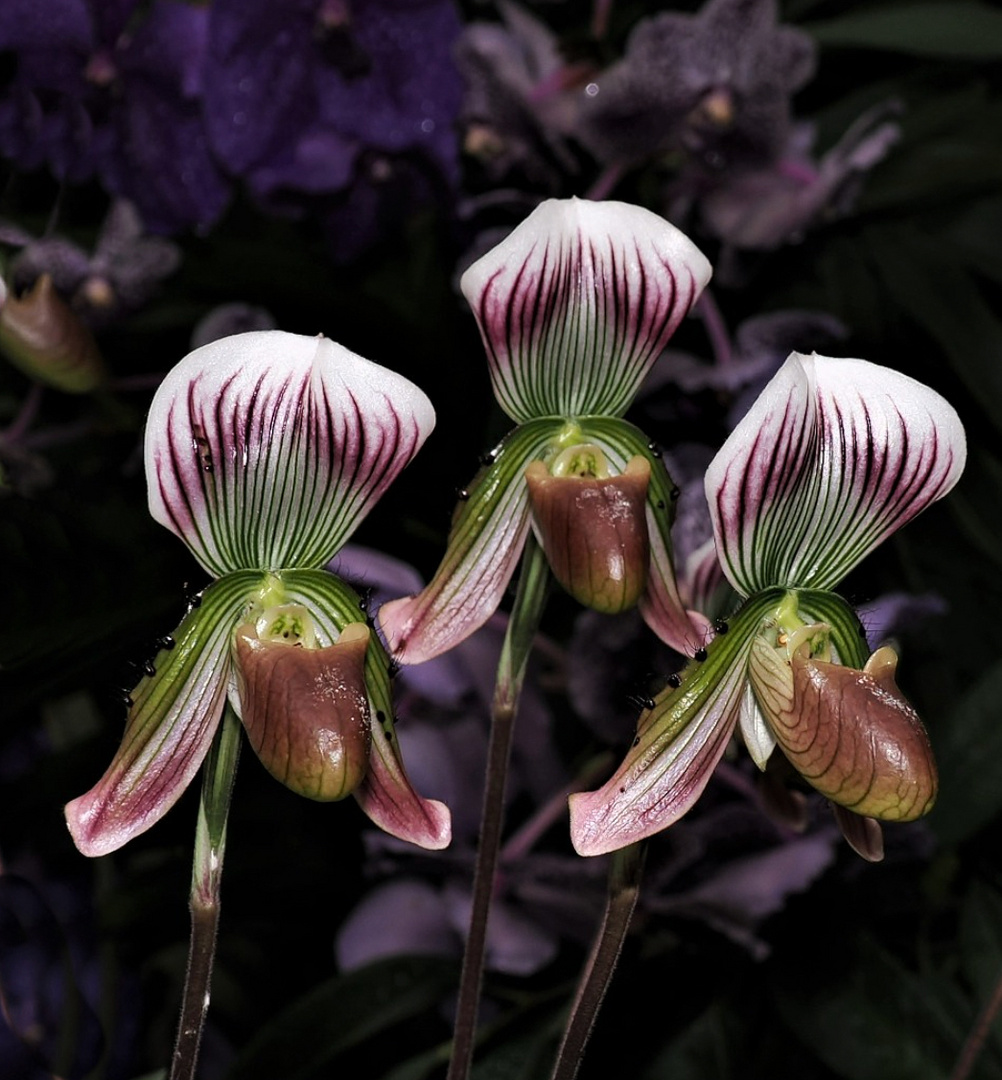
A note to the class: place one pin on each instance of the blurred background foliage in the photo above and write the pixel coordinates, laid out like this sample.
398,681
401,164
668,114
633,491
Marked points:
856,971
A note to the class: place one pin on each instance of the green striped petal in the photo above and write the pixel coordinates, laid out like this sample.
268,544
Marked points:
678,744
267,449
660,605
485,544
834,457
385,794
578,302
171,722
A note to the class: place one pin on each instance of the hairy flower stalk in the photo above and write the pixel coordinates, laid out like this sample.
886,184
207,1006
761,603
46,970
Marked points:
574,307
263,453
834,457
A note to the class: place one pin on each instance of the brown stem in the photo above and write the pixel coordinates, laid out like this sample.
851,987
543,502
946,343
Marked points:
206,879
975,1041
522,624
624,888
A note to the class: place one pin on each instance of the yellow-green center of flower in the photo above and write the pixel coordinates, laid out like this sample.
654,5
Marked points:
583,460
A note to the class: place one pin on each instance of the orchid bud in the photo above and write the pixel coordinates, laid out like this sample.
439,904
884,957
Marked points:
849,733
43,336
305,708
593,526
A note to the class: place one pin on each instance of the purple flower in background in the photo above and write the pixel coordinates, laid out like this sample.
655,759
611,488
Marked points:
121,275
515,114
713,87
311,97
764,206
112,87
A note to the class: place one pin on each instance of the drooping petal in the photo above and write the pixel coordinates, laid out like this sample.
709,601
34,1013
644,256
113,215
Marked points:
849,733
863,834
171,722
578,302
266,449
485,543
678,745
385,794
306,710
660,605
834,457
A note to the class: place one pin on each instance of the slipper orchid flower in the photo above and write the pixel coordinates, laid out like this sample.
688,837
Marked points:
833,458
264,451
574,307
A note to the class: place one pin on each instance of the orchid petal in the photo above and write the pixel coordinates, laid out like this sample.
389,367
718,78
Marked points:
578,302
385,794
849,733
678,745
485,543
701,582
755,731
660,605
267,449
834,457
171,723
863,834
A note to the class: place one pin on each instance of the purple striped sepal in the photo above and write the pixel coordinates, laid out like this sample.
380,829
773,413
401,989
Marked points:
578,302
834,457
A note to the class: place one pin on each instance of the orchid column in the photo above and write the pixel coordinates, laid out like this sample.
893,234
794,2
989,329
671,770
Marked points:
574,307
833,458
264,451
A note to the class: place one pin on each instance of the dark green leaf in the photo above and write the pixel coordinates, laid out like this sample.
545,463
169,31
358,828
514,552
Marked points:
969,753
981,953
977,499
702,1052
929,283
342,1013
872,1019
960,29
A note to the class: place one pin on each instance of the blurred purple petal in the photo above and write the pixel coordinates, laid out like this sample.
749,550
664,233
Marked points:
398,918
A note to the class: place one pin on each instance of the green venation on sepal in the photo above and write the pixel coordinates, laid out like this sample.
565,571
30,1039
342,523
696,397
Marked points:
701,678
501,478
848,637
621,441
333,605
214,615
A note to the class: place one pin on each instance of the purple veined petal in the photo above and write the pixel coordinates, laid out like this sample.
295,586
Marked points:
171,723
678,745
266,449
755,731
578,302
834,457
685,630
484,547
388,800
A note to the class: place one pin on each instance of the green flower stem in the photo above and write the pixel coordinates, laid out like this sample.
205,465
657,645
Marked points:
530,600
625,873
207,871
